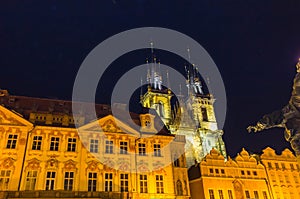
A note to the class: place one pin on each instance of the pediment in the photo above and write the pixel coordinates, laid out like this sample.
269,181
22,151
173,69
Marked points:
109,124
8,117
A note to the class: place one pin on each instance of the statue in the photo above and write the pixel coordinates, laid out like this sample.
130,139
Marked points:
288,117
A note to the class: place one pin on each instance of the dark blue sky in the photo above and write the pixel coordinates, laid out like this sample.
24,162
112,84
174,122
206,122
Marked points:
255,45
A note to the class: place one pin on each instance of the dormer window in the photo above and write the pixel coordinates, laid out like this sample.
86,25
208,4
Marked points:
147,124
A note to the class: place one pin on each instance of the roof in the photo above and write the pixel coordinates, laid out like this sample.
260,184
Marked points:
24,106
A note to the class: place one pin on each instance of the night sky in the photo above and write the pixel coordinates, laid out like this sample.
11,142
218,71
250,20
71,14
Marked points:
255,44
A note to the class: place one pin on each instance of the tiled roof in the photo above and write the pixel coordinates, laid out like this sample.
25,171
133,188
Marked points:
25,105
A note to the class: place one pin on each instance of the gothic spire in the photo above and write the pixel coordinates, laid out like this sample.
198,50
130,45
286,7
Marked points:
193,80
154,77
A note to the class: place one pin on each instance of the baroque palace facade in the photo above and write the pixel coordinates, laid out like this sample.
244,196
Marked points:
43,156
247,176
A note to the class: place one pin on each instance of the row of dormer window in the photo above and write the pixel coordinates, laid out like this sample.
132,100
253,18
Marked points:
292,166
222,172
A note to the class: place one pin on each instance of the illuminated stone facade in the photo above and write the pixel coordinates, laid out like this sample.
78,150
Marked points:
268,176
193,116
42,155
283,172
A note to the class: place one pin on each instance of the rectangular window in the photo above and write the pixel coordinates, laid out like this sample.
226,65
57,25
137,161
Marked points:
222,171
204,114
255,173
69,180
92,181
243,172
143,184
211,171
265,195
4,179
269,164
278,195
296,179
211,194
217,171
276,165
124,182
157,150
30,180
280,178
54,143
273,177
247,194
292,166
71,144
109,146
123,147
37,143
176,162
287,179
283,166
248,173
142,149
50,180
108,184
94,145
12,141
221,194
256,195
230,196
159,184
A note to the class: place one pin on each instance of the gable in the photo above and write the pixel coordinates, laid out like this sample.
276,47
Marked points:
8,117
109,124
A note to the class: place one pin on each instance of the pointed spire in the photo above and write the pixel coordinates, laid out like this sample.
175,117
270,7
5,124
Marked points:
189,55
180,90
154,77
168,80
193,80
151,44
141,94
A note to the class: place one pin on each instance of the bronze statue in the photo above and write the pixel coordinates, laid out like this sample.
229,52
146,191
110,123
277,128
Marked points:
288,117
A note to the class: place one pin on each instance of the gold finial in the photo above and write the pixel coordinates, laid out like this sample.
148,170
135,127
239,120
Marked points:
151,44
189,54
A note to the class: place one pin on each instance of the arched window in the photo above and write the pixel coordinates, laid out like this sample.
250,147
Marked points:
179,188
204,114
148,123
161,109
176,161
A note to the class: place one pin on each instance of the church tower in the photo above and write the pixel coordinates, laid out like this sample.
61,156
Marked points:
193,116
157,97
202,110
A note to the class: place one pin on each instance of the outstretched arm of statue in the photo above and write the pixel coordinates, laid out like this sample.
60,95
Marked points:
274,119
